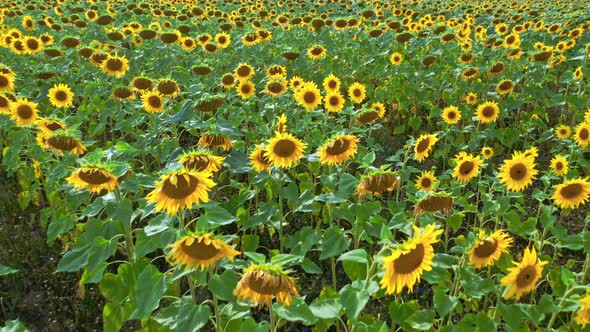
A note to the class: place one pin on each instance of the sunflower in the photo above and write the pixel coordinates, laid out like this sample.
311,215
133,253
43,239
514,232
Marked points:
200,251
583,314
487,112
378,182
93,178
296,82
48,126
6,82
470,98
426,181
334,102
308,96
123,93
523,278
33,45
228,81
505,87
423,146
582,136
168,88
559,165
276,71
60,142
60,96
396,58
284,150
152,101
338,149
261,282
487,249
451,114
406,264
180,189
572,193
4,104
316,52
487,152
213,141
467,168
24,112
518,172
258,160
563,131
276,86
201,161
357,92
434,202
115,66
246,89
244,72
141,84
187,43
222,39
331,84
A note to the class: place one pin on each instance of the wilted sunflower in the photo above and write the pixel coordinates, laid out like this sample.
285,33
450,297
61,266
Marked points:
487,112
523,278
284,150
334,102
308,96
201,161
583,314
451,114
505,87
123,93
582,136
406,264
6,82
60,142
152,101
316,52
244,72
467,168
572,193
261,282
424,145
559,165
396,58
378,182
563,131
246,89
518,172
434,202
338,149
331,84
200,251
115,66
258,160
215,141
60,96
357,92
24,112
488,249
180,189
94,178
48,125
426,181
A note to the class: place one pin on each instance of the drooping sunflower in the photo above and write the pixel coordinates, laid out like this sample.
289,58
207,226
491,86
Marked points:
523,278
406,264
261,282
582,136
583,314
246,89
244,72
334,102
215,141
276,71
4,104
316,52
115,66
426,181
24,112
201,161
424,145
308,96
376,111
487,249
284,150
434,202
48,125
60,96
94,178
467,168
487,152
152,101
559,165
357,92
396,58
338,149
180,189
123,93
60,142
563,131
377,182
142,84
518,172
572,193
487,112
451,114
331,84
505,87
200,251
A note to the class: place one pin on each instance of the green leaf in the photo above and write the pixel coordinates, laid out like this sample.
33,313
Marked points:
353,301
422,320
511,314
62,221
250,242
223,285
14,326
285,259
219,216
443,303
297,311
74,260
401,312
326,308
250,325
334,242
357,255
186,112
150,286
310,267
5,270
183,315
113,316
256,257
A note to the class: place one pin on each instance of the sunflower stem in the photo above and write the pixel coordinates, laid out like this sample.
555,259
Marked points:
567,293
585,268
215,303
280,201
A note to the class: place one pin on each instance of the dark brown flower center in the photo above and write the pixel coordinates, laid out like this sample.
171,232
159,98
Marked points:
423,145
4,82
559,165
357,93
62,143
143,83
4,102
466,167
317,51
199,250
584,133
155,101
526,276
425,182
24,111
227,80
53,126
114,64
486,248
451,115
243,71
275,87
436,203
93,176
506,85
338,146
284,148
221,40
123,93
380,183
571,191
334,100
488,111
332,84
32,44
61,95
185,186
167,87
518,172
309,97
245,88
210,48
409,262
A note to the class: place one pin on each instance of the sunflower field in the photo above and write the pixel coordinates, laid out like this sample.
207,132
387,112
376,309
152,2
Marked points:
294,165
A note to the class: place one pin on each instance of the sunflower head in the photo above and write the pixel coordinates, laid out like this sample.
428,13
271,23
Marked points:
572,193
331,84
487,112
284,150
94,178
246,89
308,96
338,149
559,165
168,88
259,161
215,141
523,278
424,145
426,181
201,161
583,314
518,172
261,282
377,182
60,96
487,249
451,114
467,167
152,101
115,65
199,251
357,92
316,52
24,112
434,202
582,135
60,141
49,125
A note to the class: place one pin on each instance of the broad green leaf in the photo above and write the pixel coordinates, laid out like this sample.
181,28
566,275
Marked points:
6,270
353,301
151,285
334,242
297,311
326,308
14,326
223,285
357,255
183,315
442,302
